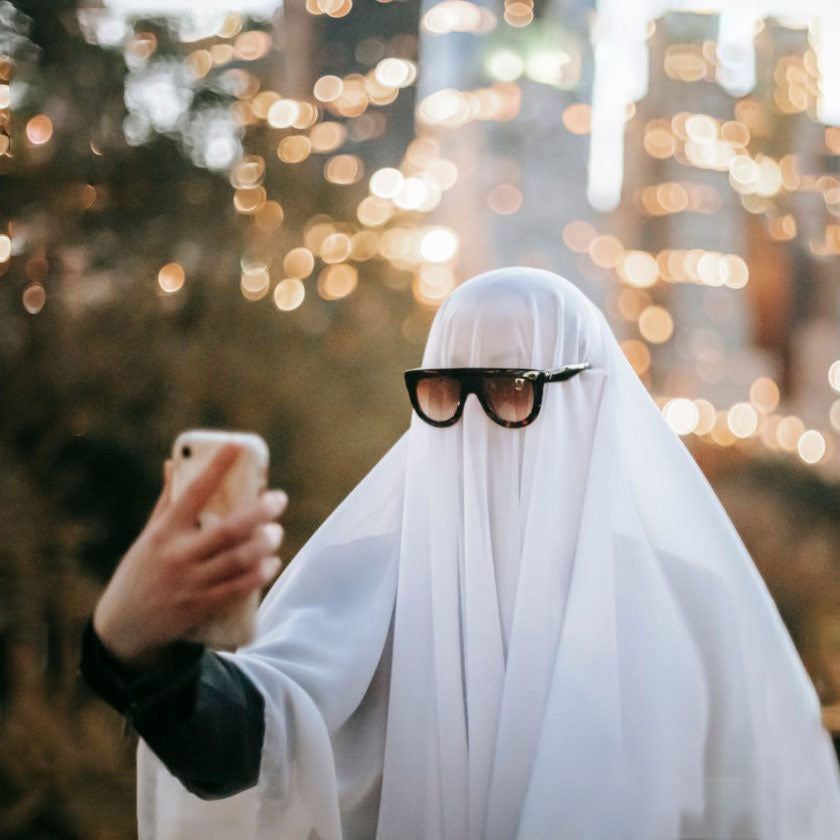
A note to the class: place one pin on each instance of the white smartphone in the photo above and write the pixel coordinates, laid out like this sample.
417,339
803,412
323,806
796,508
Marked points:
241,486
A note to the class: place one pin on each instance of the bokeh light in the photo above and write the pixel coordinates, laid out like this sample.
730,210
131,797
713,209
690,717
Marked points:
171,278
289,294
656,324
39,130
298,263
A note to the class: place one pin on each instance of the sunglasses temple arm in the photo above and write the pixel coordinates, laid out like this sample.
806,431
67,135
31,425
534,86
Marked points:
567,372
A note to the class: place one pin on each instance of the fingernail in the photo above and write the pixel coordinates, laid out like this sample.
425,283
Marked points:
270,565
274,533
277,500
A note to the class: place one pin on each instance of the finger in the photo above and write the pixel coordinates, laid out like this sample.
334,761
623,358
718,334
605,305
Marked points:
238,559
165,497
199,491
239,526
281,497
237,587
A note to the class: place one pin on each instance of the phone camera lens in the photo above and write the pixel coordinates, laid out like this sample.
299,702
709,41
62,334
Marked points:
186,451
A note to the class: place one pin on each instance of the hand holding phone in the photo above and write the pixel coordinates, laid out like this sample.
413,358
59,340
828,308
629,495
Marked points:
239,488
177,577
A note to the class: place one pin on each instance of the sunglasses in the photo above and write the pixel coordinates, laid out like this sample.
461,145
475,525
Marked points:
510,397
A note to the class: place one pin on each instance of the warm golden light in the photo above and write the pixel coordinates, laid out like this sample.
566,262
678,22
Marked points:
327,136
443,172
735,132
282,113
34,297
335,248
685,62
374,211
386,183
289,294
578,118
764,394
248,172
395,72
262,102
605,250
834,375
412,194
458,16
768,431
337,281
5,248
171,278
294,149
639,269
307,115
354,96
504,199
298,263
578,235
788,432
255,281
39,130
364,245
701,128
269,217
743,420
439,245
344,169
721,433
230,26
200,63
249,201
317,229
659,141
222,54
682,415
631,302
834,415
432,284
656,324
706,417
518,13
328,88
811,446
734,271
252,45
505,65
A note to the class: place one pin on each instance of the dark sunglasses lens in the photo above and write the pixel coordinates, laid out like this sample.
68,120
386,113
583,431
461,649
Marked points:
511,398
438,397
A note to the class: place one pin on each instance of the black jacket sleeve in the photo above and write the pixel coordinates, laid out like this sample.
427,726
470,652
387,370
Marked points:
202,716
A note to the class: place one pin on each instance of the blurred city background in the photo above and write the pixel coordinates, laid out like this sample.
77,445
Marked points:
246,214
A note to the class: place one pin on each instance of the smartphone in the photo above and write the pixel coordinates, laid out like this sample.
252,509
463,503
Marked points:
241,486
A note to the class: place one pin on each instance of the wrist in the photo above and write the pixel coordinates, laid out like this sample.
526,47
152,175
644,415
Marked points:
129,655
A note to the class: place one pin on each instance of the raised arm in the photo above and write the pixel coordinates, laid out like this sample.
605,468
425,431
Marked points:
198,711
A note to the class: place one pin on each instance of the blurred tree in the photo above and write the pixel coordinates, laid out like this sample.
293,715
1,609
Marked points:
100,368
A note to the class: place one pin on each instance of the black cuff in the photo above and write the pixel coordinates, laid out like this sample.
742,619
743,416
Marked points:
125,688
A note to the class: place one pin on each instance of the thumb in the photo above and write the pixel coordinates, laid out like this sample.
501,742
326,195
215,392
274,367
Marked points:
165,498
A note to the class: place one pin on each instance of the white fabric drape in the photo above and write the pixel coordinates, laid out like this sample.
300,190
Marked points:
550,632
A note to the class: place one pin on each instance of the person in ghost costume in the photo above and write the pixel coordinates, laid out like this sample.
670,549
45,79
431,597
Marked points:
536,631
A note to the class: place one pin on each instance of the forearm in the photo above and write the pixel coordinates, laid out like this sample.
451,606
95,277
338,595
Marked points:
200,714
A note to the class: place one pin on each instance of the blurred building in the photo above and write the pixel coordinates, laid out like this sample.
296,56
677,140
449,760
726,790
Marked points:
715,266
